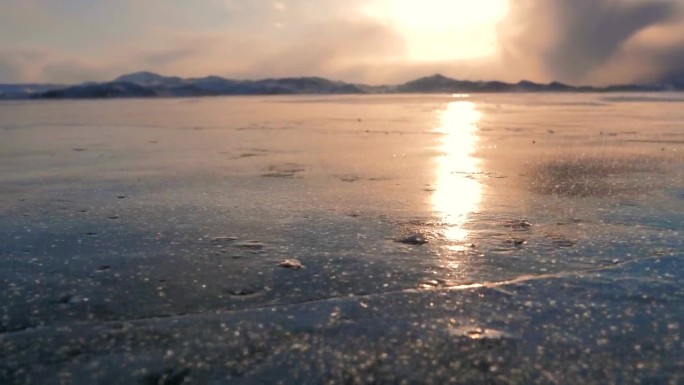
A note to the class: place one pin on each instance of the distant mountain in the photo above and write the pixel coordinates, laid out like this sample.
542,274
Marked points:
215,85
673,82
441,84
149,84
148,79
306,85
99,90
21,91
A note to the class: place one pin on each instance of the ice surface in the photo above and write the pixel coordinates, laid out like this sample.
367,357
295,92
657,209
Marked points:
142,241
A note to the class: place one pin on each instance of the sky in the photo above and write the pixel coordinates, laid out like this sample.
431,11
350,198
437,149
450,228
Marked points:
594,42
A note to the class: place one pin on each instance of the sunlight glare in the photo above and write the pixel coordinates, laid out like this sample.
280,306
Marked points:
457,193
438,30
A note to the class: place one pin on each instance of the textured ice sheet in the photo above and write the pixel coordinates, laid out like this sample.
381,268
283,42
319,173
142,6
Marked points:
143,241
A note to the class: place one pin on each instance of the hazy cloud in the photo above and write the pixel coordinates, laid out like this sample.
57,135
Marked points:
656,54
576,41
336,50
27,65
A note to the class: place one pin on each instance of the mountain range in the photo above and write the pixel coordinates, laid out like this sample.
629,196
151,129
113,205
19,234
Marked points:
148,84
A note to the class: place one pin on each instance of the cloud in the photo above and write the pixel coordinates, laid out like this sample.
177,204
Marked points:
280,6
200,54
576,40
26,64
29,65
337,50
341,49
19,65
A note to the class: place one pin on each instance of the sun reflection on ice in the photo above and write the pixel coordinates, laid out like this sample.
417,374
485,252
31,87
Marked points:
457,191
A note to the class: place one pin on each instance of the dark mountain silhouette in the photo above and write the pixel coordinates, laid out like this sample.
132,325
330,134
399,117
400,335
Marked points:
149,84
439,83
20,91
99,90
148,79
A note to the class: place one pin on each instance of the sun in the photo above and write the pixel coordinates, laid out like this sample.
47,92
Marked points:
440,30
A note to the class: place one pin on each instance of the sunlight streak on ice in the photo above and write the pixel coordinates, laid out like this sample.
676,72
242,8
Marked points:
457,191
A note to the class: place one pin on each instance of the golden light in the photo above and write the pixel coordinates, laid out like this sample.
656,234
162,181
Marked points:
438,30
457,189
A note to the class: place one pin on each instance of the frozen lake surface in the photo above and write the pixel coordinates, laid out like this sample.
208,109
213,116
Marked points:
143,241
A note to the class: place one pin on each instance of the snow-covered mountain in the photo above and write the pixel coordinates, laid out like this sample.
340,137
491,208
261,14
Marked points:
149,84
149,79
442,84
216,85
